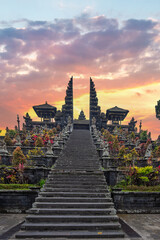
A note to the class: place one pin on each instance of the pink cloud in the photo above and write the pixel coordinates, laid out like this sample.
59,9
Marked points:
88,46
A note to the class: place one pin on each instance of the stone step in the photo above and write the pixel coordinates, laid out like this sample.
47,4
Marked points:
83,183
71,168
71,234
72,211
49,189
72,199
70,226
82,167
77,164
79,173
76,177
72,218
83,180
80,186
83,173
63,205
75,194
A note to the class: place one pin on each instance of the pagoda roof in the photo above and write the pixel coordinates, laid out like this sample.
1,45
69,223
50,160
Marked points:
118,110
43,109
44,106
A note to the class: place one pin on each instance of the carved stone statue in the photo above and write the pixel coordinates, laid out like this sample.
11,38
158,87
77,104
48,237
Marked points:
49,149
148,151
93,121
3,148
132,124
69,120
18,141
106,153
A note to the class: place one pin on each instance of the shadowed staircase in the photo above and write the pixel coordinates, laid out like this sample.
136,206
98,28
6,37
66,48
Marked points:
75,201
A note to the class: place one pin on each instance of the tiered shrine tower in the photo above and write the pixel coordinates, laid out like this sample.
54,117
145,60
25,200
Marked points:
67,108
95,110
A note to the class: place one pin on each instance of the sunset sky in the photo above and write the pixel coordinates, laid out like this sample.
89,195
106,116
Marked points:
44,43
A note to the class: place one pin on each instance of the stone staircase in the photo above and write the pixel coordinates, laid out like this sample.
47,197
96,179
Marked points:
75,201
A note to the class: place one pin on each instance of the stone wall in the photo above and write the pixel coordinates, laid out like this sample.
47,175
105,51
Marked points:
25,149
34,175
115,162
44,161
19,201
16,201
137,202
113,176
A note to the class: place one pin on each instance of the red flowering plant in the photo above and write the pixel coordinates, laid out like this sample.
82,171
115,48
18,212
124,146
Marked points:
34,137
12,175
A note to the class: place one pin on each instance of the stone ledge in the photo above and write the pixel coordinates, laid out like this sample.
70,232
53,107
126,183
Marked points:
16,201
137,202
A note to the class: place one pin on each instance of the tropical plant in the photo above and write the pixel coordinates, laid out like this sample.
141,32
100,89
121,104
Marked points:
147,176
50,133
39,142
134,156
116,144
26,142
18,157
143,135
8,140
35,152
12,133
122,151
107,135
127,159
54,130
132,135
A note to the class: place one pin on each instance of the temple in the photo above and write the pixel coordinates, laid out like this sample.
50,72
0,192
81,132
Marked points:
67,108
95,110
49,115
113,117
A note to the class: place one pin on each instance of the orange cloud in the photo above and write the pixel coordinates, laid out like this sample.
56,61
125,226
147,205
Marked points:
37,61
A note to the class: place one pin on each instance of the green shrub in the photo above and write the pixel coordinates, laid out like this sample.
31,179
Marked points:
42,182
